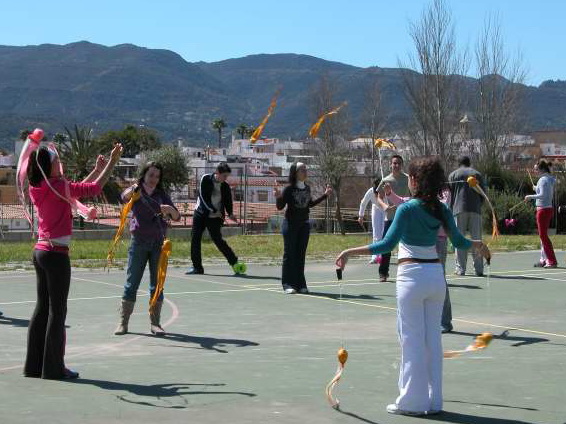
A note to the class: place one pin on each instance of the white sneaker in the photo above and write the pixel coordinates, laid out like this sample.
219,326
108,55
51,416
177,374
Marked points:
394,409
290,291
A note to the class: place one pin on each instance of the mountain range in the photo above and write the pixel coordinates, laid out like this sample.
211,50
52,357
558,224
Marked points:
107,87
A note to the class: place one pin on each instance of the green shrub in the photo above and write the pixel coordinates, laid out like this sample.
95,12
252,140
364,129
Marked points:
502,202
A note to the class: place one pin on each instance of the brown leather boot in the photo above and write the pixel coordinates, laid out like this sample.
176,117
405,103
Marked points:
155,319
126,309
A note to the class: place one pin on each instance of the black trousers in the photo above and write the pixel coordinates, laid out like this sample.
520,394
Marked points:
386,257
295,240
46,332
213,225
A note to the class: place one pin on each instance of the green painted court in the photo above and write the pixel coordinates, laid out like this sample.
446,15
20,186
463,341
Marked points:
240,351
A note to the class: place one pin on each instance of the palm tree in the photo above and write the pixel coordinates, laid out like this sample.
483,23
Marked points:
242,130
78,151
250,131
219,125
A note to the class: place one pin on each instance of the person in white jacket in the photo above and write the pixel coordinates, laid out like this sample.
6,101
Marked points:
377,215
543,197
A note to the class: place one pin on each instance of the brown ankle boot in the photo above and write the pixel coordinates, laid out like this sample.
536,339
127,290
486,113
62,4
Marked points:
126,309
155,319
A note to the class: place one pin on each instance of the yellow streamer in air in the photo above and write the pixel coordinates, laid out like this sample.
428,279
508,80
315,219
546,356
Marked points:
481,342
257,132
382,143
473,183
313,132
166,249
123,217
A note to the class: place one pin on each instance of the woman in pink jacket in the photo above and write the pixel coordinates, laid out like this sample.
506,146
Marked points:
51,195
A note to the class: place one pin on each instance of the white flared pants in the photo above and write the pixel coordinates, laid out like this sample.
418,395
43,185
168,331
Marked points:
420,297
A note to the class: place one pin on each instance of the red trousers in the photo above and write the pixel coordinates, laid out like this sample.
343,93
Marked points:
544,216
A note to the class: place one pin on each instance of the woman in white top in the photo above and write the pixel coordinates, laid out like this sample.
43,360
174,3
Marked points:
377,215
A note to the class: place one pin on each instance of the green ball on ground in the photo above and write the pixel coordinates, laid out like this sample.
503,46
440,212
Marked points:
240,268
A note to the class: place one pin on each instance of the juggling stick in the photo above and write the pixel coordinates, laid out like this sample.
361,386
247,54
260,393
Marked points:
481,342
531,178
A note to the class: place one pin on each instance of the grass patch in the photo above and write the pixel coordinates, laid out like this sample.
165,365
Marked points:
92,253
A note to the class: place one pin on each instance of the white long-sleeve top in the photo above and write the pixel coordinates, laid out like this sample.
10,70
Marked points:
544,191
369,197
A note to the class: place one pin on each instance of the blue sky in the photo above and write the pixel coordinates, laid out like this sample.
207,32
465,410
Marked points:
357,32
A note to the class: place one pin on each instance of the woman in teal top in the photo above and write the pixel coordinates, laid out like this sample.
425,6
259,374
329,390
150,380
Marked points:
420,286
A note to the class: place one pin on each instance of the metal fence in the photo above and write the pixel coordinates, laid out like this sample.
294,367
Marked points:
253,198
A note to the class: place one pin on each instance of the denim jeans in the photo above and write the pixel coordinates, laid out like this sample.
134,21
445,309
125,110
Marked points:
139,254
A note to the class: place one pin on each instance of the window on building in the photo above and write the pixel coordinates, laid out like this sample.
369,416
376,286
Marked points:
262,195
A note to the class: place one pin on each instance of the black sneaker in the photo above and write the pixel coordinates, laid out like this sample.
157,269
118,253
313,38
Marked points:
539,265
194,271
70,374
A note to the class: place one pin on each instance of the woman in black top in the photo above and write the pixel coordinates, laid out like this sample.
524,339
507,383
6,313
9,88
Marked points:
296,227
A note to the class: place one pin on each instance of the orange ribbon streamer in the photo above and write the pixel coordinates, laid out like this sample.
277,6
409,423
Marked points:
481,342
120,230
473,183
382,143
313,132
342,358
257,132
166,249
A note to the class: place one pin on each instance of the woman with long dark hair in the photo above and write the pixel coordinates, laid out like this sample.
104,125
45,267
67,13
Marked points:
377,214
148,227
543,200
296,227
420,285
51,194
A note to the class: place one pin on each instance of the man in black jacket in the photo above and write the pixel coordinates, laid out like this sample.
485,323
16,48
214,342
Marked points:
214,202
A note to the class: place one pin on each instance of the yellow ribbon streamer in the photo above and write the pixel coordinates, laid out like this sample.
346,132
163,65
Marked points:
120,230
481,342
473,183
313,132
257,132
342,355
166,249
382,143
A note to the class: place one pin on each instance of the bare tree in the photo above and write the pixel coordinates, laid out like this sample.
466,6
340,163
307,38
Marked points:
433,83
499,92
332,153
374,116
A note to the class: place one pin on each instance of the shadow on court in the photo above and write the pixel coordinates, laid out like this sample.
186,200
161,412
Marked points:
16,322
451,417
336,296
207,343
456,417
243,276
519,340
159,392
491,404
517,277
465,286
